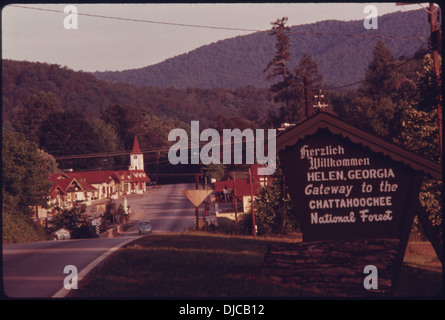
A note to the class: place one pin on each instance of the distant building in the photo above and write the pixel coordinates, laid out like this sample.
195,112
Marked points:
62,234
238,185
70,188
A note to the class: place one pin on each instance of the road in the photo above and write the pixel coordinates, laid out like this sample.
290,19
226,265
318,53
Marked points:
167,209
36,270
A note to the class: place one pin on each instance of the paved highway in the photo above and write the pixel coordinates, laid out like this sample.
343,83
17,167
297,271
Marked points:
36,270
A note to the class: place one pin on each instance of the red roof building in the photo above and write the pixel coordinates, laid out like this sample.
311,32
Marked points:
70,186
238,185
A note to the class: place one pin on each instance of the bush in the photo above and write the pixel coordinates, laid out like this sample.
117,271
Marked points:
16,229
84,231
75,220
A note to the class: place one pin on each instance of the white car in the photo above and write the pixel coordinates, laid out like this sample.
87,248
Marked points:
144,226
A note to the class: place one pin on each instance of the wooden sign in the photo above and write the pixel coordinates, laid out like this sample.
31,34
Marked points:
345,191
355,197
347,184
196,196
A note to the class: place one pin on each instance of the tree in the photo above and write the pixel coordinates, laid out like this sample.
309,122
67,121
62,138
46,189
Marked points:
289,90
279,68
108,140
420,134
111,211
69,133
282,46
25,185
125,119
273,209
379,115
429,89
377,107
36,109
75,220
378,75
305,74
214,171
25,173
222,122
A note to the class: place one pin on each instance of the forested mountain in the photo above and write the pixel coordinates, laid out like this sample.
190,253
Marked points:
240,61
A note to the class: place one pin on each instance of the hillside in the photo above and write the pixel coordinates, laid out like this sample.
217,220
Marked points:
84,93
240,61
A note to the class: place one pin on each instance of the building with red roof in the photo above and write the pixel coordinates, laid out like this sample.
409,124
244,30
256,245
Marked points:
84,187
238,185
67,190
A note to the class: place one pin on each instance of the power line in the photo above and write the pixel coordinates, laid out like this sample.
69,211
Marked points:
420,38
141,20
145,151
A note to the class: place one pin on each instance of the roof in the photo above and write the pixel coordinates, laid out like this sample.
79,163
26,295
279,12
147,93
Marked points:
336,126
54,188
63,183
139,176
242,181
87,178
136,149
93,177
242,186
123,175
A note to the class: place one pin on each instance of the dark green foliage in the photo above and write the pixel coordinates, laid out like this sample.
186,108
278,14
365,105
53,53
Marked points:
74,90
25,170
291,88
214,171
69,133
278,64
35,110
75,220
398,103
125,120
17,229
274,210
280,74
378,76
24,174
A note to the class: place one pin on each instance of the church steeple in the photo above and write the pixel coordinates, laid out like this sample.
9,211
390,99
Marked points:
136,149
136,157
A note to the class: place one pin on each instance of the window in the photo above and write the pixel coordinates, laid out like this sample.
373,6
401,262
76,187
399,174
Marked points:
135,157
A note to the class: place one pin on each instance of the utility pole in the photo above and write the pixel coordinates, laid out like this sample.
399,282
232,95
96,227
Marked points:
197,208
252,209
436,39
235,201
318,97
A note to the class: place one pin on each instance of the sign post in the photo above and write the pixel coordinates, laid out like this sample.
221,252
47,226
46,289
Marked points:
352,189
196,197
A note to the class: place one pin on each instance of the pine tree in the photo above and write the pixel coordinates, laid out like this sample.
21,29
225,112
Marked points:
378,75
279,68
307,68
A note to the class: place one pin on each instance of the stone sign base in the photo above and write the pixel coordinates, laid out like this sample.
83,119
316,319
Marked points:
333,268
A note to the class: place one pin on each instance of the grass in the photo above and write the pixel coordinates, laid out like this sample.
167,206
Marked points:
421,274
202,265
184,266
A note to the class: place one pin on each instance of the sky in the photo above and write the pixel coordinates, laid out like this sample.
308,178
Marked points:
100,43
